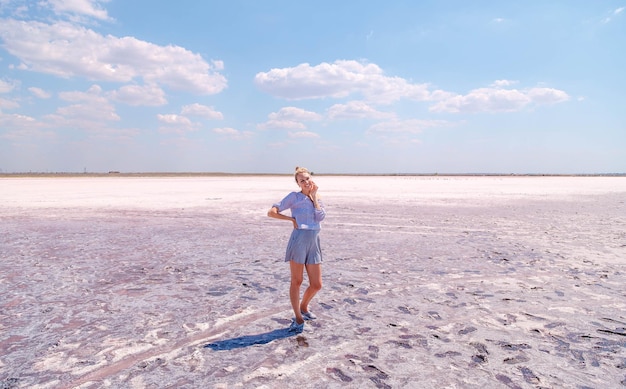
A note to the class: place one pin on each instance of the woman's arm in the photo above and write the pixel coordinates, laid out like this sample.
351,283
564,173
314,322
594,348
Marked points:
273,212
319,212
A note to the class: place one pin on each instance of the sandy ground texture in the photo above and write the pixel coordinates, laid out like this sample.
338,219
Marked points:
430,282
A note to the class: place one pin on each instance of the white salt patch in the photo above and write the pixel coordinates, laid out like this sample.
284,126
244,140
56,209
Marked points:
567,309
286,370
189,192
123,351
138,382
246,312
152,337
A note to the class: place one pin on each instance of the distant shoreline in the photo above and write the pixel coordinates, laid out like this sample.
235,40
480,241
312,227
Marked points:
221,174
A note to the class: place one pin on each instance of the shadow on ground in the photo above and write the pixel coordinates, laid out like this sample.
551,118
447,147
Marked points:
250,340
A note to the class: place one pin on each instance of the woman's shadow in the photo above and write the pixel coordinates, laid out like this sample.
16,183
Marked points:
250,340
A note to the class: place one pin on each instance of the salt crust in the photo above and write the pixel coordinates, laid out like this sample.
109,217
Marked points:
449,281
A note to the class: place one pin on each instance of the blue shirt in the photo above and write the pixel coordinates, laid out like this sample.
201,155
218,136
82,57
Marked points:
302,209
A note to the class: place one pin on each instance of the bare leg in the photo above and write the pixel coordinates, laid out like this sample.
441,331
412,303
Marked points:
314,273
297,270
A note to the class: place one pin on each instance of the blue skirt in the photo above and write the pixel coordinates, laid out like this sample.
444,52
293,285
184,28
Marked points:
304,247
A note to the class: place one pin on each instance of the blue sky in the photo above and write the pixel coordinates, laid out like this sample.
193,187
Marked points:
336,86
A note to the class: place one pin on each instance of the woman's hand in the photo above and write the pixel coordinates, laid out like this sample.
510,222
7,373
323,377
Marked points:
273,212
313,191
313,194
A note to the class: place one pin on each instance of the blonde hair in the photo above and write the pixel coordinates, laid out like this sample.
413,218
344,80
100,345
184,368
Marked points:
300,170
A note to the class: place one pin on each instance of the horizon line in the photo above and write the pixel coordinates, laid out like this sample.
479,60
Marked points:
116,173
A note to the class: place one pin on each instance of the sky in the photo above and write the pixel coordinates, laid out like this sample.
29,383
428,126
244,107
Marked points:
447,86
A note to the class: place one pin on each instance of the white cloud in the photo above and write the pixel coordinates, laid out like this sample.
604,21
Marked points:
202,111
176,124
302,134
547,95
294,113
232,133
90,112
289,118
15,120
281,124
174,119
339,80
140,95
484,100
411,126
92,107
614,13
6,86
356,110
8,104
496,99
67,50
40,93
503,83
93,94
225,131
89,8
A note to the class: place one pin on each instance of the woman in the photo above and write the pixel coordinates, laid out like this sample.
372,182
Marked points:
303,249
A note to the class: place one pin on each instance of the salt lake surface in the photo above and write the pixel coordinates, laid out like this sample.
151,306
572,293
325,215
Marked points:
431,282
